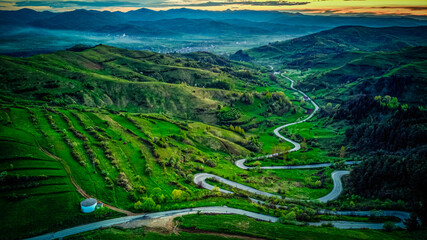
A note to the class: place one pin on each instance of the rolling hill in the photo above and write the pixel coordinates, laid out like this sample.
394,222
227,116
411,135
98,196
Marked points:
133,128
347,60
400,74
119,79
336,41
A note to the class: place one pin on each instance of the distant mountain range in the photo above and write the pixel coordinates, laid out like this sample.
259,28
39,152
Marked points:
194,26
91,19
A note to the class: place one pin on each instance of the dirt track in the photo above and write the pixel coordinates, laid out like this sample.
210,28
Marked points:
78,188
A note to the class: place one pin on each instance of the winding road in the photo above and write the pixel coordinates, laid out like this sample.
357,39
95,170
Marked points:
200,180
115,221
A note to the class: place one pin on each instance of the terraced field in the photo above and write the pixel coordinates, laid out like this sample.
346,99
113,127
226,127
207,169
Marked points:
116,157
34,180
121,158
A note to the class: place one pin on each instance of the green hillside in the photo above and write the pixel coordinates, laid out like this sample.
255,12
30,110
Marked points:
116,158
88,120
338,63
132,128
113,78
335,41
400,74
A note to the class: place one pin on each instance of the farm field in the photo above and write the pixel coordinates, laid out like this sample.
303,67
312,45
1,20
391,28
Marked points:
121,158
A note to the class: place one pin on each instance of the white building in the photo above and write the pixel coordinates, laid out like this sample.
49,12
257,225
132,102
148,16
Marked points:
88,205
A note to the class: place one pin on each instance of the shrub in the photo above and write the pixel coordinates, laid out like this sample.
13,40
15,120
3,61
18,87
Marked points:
142,189
177,195
157,195
389,226
148,204
148,170
327,225
138,205
123,181
210,163
216,191
412,223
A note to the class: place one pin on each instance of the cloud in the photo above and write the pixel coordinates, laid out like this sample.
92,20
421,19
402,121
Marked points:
73,4
246,3
412,8
89,4
147,3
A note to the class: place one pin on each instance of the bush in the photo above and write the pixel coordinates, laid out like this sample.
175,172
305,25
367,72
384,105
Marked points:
138,205
389,226
148,170
412,223
123,181
178,195
327,225
157,195
148,205
210,163
142,189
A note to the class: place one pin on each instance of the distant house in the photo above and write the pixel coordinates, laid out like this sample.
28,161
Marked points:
88,205
277,73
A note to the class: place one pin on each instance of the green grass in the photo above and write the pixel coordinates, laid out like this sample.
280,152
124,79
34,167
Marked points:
140,141
92,88
140,233
244,226
236,224
53,192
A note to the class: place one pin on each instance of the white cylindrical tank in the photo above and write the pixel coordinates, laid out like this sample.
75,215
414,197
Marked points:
88,205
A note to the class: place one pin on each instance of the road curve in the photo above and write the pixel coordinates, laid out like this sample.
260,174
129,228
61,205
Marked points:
227,210
241,163
357,225
199,179
112,222
336,191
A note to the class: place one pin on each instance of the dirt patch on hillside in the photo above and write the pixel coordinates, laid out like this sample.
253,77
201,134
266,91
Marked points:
162,225
167,225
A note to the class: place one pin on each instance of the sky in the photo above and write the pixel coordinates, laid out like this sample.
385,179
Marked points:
377,7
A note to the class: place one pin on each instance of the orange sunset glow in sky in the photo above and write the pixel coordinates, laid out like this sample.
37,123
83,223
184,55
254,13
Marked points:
377,7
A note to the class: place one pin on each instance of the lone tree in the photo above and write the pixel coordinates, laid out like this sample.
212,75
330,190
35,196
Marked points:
342,152
216,191
273,78
138,205
177,195
304,144
412,223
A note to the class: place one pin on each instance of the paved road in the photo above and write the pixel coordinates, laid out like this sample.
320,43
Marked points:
349,224
224,210
337,190
111,222
200,178
241,163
